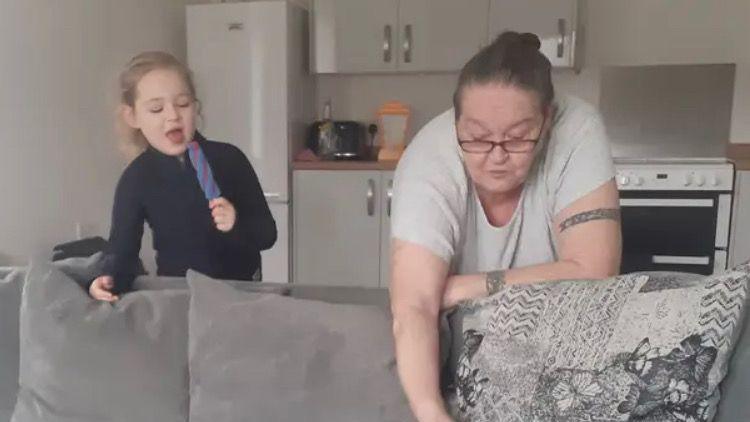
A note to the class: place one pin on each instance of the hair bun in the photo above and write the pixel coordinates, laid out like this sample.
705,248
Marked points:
531,40
512,38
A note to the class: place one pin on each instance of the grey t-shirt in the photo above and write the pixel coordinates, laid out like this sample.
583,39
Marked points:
435,204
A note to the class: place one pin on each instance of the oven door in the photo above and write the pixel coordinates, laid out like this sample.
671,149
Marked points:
674,231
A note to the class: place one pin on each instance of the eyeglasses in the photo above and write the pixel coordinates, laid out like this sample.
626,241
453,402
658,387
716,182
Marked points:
511,146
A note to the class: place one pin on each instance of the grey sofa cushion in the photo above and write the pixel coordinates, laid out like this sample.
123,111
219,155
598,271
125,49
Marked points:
84,360
275,358
83,270
11,283
641,347
342,294
735,389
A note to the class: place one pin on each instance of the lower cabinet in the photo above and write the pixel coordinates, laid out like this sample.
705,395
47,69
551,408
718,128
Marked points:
341,227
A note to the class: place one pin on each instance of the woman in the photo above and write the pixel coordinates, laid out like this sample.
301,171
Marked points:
511,186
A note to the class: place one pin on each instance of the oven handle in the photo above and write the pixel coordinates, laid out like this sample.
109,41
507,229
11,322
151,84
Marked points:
680,260
661,202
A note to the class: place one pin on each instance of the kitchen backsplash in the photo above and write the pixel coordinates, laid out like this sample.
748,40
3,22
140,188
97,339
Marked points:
668,111
648,110
357,97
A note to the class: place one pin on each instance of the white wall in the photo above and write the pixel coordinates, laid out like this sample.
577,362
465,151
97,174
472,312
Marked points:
741,110
58,66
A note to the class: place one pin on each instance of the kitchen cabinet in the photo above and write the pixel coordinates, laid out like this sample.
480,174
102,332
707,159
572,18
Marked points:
359,36
340,228
740,240
654,32
440,35
350,36
556,24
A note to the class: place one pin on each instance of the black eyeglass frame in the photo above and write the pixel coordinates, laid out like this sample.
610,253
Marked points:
525,145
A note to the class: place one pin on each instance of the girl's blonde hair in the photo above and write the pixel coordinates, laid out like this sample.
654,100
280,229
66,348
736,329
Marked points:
140,65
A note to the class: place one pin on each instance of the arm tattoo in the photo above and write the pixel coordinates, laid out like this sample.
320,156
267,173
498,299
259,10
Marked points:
586,216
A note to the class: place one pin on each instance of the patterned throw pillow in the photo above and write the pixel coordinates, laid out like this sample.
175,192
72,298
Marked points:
639,347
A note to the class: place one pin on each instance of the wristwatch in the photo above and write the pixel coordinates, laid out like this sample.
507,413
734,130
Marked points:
495,281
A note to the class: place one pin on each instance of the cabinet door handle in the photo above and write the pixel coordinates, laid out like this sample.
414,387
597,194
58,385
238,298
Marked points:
235,26
387,38
407,44
389,195
561,41
370,197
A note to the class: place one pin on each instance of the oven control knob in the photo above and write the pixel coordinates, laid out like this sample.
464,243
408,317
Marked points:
700,180
714,181
623,180
638,181
688,179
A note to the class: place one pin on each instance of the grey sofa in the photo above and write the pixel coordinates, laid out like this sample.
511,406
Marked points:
734,405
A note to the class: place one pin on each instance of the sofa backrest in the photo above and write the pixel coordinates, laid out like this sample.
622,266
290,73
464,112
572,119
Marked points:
735,389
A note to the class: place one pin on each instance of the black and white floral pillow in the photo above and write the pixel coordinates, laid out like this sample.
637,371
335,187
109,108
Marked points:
638,347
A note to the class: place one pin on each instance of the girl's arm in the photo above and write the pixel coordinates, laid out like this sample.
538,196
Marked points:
254,228
126,231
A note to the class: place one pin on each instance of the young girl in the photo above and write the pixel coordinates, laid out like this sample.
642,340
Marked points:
201,198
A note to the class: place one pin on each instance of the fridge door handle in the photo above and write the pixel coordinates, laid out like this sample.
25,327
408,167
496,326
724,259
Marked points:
271,195
389,195
370,197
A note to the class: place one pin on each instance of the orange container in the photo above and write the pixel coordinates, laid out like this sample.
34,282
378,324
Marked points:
393,121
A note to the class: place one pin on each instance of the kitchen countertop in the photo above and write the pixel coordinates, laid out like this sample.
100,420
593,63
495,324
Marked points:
742,164
740,155
344,165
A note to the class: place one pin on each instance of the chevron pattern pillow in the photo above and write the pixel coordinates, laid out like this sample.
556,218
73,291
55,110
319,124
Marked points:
638,347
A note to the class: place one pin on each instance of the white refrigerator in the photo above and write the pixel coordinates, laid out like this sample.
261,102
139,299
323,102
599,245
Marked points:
250,64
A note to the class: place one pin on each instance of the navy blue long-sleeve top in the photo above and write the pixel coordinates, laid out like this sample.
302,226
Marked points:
163,191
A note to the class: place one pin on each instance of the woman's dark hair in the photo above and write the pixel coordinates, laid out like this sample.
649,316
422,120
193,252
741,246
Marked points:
513,59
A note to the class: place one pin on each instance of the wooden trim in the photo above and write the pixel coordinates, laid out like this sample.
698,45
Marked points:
738,151
740,155
742,165
344,165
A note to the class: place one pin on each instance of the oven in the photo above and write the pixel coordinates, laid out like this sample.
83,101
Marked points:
675,214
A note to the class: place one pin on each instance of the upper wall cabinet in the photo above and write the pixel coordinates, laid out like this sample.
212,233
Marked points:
350,36
555,22
664,32
440,35
360,36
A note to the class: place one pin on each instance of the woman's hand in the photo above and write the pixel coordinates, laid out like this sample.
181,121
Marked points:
432,412
223,213
463,287
101,289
